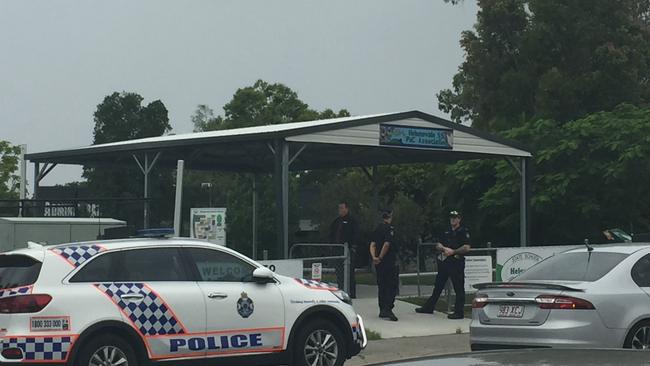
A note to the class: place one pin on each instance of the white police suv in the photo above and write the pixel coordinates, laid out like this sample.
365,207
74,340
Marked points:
131,302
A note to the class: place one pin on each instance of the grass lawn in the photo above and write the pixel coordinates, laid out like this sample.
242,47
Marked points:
372,335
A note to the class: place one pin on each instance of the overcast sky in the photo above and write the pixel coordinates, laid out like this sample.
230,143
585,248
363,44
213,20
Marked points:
59,59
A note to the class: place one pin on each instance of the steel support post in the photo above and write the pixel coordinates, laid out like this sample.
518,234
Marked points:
37,173
282,195
146,191
255,216
523,203
346,268
23,179
178,204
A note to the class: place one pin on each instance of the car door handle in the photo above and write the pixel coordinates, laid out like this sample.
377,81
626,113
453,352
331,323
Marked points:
217,295
132,297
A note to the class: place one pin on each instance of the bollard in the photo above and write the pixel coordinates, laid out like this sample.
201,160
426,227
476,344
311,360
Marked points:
346,268
265,255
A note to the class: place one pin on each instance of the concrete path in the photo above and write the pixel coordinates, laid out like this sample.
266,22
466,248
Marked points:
410,324
387,350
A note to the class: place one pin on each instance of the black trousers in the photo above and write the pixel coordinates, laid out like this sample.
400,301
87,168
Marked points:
388,284
453,269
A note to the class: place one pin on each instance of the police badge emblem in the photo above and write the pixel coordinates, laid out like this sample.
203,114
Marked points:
245,306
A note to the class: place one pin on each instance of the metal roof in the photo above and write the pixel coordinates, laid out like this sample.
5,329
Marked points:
249,149
63,220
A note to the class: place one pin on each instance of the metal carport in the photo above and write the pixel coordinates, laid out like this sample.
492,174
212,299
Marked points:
280,148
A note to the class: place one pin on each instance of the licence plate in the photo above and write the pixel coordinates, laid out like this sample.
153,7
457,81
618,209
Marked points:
510,311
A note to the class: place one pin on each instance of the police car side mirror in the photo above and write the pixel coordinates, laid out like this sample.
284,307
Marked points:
263,275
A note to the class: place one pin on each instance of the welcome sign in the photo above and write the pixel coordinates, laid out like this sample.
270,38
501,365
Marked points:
420,137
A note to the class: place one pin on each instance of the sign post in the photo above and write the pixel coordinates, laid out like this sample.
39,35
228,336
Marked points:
317,271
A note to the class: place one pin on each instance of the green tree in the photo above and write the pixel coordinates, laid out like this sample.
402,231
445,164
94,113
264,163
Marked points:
121,116
549,59
589,175
262,103
258,105
542,72
9,179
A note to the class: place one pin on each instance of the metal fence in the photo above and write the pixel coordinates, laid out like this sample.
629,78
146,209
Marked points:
448,289
344,257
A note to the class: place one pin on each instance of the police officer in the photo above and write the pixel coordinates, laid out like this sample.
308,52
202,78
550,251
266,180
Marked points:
452,248
383,250
344,229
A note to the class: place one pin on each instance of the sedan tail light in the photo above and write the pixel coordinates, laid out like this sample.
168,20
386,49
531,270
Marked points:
479,301
558,302
24,304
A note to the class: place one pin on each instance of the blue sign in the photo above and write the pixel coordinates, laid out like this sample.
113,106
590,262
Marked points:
420,137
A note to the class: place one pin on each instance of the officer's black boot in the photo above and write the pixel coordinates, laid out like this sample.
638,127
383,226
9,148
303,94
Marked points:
391,316
423,311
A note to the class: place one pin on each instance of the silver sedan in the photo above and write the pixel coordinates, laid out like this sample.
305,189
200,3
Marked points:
583,298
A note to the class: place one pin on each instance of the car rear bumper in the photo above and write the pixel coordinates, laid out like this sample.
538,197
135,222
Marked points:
563,329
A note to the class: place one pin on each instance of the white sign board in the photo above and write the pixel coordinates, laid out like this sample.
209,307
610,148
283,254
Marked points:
478,269
511,262
286,267
317,271
208,224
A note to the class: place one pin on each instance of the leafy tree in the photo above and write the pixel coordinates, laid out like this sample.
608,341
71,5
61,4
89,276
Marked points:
121,116
590,175
549,59
204,119
262,103
258,105
9,179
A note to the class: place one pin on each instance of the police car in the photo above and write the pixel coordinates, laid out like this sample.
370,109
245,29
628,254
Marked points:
129,302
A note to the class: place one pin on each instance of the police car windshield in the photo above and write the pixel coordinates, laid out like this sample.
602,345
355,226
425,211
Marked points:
18,270
582,266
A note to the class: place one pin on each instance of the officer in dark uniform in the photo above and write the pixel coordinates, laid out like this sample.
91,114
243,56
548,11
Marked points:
383,250
451,249
344,229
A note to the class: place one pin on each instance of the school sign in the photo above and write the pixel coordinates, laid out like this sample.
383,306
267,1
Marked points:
512,262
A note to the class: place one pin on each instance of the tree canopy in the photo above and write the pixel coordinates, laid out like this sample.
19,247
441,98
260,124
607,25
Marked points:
122,116
550,59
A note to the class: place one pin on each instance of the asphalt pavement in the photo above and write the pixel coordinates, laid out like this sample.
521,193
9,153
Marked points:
394,349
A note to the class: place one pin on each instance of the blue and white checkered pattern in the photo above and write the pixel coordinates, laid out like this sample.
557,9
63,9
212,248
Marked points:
151,316
315,285
15,291
41,348
78,254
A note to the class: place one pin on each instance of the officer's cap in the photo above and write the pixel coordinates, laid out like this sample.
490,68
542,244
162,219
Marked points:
386,214
454,214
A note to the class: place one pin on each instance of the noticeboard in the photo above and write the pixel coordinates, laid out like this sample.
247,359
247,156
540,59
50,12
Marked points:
208,224
478,269
416,137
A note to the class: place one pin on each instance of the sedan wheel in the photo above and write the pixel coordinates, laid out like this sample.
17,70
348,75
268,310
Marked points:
641,338
321,348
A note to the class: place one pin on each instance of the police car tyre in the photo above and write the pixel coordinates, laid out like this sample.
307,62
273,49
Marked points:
319,343
639,336
106,350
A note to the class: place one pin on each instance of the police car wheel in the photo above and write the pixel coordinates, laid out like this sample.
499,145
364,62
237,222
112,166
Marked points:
107,350
320,343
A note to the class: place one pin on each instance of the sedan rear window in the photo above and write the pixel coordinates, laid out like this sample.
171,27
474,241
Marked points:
18,270
583,266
